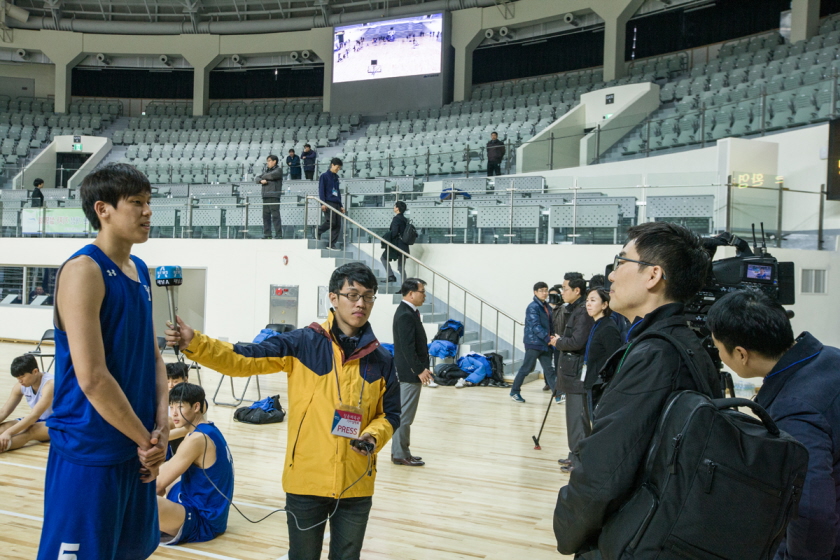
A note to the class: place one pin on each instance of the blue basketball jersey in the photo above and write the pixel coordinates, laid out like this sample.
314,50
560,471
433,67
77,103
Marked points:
196,490
76,429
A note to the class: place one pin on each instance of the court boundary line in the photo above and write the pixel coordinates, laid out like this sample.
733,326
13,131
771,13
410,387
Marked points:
23,466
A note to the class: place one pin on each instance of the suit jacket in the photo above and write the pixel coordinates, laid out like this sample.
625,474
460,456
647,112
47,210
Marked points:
411,352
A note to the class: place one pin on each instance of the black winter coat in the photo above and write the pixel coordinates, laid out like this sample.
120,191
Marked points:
604,340
495,151
573,341
395,232
608,465
411,353
274,187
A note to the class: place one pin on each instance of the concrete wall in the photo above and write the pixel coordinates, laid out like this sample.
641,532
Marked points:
43,74
44,164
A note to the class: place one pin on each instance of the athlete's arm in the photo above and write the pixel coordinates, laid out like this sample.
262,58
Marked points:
40,408
11,402
155,456
79,300
189,452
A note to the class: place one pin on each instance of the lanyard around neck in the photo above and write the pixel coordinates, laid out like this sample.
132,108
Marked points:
335,369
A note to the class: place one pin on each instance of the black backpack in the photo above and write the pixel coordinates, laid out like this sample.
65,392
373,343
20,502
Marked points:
409,235
448,374
717,485
259,416
450,331
497,365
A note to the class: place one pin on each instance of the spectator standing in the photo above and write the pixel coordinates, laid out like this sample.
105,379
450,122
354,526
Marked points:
604,339
411,358
556,317
272,188
308,157
800,392
537,339
661,267
558,324
572,344
495,154
37,195
293,163
330,193
395,233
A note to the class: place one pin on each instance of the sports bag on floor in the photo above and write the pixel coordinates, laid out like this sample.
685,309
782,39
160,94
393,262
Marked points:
267,411
717,485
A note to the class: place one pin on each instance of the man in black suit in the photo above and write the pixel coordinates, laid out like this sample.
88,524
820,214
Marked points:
411,358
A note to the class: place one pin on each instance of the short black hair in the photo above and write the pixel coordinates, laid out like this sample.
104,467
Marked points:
352,272
189,394
273,158
596,281
411,285
177,370
307,146
291,151
494,132
111,184
400,205
753,321
678,251
540,286
578,283
23,365
37,182
570,275
335,161
604,295
555,288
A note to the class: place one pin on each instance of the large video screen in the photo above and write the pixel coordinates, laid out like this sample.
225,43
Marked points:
388,49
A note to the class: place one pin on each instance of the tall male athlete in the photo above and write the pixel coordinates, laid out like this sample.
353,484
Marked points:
109,426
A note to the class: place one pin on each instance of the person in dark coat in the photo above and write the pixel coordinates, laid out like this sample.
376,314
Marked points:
37,195
308,158
801,392
572,343
394,235
662,266
604,339
411,358
495,154
272,188
329,191
537,339
293,163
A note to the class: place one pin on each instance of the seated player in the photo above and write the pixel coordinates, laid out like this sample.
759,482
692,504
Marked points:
37,387
196,508
176,372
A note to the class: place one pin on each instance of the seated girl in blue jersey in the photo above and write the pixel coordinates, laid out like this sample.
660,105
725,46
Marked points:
196,508
176,372
37,388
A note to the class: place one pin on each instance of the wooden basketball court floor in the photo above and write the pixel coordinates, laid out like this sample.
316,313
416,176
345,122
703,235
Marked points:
485,492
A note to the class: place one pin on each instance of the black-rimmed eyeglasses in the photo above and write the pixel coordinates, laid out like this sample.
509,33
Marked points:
356,297
619,258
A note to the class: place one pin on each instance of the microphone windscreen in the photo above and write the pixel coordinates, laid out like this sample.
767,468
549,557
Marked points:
168,276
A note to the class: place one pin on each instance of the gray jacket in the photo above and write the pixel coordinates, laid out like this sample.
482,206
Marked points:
274,187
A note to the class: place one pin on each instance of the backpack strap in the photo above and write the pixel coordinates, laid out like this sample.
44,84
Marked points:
687,357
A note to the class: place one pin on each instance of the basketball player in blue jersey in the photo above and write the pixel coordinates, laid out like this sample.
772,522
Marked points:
37,388
110,422
196,508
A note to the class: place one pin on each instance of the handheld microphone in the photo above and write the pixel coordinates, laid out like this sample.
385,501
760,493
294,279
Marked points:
169,276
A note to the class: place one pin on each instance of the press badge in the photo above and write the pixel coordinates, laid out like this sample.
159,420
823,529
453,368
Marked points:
347,421
583,373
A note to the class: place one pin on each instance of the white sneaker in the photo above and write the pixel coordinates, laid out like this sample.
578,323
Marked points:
460,383
432,384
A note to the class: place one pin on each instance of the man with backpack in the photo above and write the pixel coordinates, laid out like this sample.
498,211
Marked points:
800,393
395,235
661,267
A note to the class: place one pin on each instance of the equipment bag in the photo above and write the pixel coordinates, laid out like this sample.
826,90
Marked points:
409,235
707,464
267,411
451,331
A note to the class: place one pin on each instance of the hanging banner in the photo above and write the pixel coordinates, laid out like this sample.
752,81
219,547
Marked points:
55,221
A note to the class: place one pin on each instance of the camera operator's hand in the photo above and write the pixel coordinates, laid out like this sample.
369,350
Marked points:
180,337
364,437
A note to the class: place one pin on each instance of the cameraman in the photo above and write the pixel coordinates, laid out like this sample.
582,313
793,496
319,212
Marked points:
662,266
800,392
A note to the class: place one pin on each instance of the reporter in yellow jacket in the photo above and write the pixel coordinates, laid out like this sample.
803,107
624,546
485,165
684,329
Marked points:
342,385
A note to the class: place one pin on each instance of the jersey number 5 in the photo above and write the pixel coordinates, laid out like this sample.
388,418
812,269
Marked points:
66,548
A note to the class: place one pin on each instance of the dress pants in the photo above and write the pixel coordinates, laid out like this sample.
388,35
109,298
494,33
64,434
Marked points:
271,214
578,424
410,397
494,168
331,219
387,266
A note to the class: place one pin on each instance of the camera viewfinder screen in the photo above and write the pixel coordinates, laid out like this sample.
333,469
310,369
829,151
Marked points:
759,272
388,49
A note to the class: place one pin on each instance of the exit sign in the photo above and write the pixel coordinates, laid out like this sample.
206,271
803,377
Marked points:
77,147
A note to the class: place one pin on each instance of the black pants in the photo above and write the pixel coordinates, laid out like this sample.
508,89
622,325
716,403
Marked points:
347,526
310,174
387,265
494,168
271,213
331,219
295,176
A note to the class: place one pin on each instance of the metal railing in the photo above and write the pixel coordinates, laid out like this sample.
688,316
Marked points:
469,297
